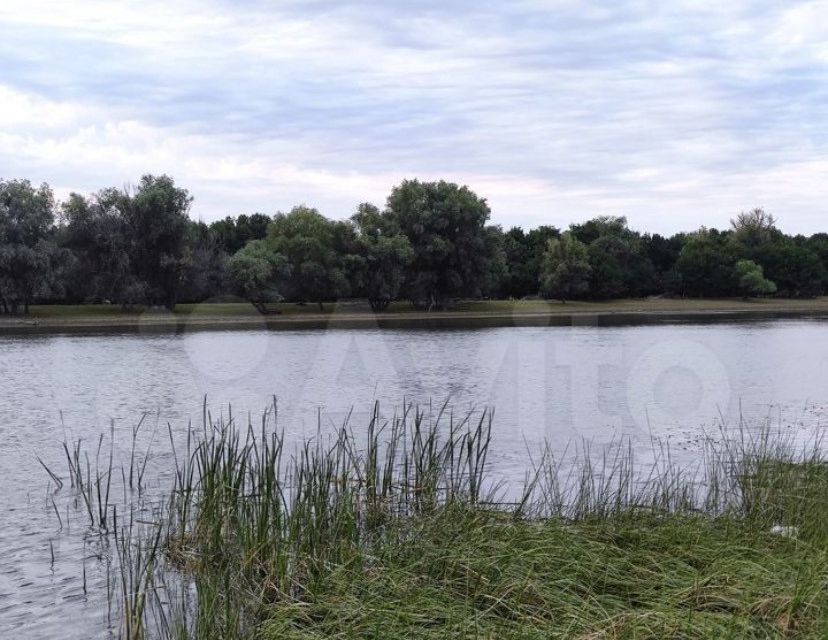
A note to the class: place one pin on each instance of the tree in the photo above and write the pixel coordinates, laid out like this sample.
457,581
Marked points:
620,265
496,268
663,253
27,255
386,254
794,267
257,271
454,254
754,228
96,233
565,268
523,253
204,269
313,247
706,265
751,279
132,246
817,245
231,234
431,244
157,220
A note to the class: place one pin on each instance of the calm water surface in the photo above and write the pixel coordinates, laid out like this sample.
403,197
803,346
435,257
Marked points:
547,384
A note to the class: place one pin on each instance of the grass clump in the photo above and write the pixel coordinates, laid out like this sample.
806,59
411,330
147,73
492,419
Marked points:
471,573
400,531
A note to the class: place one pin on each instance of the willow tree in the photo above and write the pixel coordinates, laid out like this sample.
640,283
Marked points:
317,252
752,280
455,253
385,255
27,255
565,268
258,273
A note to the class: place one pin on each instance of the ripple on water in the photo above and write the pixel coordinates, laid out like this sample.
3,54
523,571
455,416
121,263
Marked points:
547,384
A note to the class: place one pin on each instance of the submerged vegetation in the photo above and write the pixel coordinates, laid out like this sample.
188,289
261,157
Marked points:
400,530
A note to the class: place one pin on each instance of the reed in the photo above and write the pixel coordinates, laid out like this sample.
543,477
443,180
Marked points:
400,530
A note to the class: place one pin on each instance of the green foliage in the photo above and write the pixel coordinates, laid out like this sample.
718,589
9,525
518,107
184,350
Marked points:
315,250
386,254
752,281
523,252
454,253
754,228
256,271
591,230
817,246
619,265
205,273
28,259
663,253
157,222
432,245
565,268
26,212
133,246
791,264
231,234
706,265
795,268
97,234
395,530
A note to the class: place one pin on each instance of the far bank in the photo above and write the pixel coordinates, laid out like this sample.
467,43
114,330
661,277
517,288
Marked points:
45,319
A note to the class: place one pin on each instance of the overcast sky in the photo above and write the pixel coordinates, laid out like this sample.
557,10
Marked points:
675,114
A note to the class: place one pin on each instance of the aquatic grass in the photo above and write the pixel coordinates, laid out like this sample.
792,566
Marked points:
477,574
92,486
360,515
137,554
399,530
255,525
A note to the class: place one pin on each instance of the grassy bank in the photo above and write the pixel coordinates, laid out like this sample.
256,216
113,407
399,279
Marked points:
357,314
235,309
399,530
476,574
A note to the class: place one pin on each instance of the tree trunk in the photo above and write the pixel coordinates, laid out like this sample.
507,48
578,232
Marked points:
378,304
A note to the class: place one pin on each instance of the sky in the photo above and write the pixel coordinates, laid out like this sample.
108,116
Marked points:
675,114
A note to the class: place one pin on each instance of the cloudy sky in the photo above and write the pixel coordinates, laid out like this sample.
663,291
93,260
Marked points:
675,114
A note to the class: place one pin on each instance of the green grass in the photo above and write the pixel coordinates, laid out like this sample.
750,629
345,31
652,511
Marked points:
398,530
476,574
231,310
654,305
113,311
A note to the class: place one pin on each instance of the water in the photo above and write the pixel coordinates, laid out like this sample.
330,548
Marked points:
547,384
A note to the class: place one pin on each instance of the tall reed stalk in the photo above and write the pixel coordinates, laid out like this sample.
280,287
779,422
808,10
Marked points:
251,524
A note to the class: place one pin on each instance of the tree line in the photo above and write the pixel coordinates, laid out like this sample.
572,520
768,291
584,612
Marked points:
430,244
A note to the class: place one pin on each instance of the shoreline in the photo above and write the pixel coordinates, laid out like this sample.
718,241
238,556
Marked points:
616,313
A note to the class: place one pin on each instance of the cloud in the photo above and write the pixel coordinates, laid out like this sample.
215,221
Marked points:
674,115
